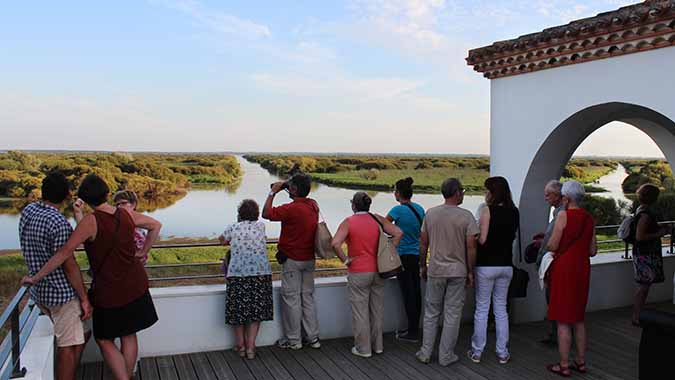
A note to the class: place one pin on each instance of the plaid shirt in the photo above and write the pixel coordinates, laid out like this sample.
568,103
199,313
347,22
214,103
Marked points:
42,231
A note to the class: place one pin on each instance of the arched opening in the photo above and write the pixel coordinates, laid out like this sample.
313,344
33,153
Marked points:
558,148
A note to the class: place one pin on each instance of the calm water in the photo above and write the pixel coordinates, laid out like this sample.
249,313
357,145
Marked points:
204,213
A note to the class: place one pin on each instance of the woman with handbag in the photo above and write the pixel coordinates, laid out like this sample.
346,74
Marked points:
249,278
573,242
647,253
119,291
498,223
361,232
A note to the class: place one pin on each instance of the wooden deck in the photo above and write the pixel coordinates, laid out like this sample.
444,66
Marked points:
612,354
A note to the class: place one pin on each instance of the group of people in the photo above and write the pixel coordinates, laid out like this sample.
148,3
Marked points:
446,246
118,300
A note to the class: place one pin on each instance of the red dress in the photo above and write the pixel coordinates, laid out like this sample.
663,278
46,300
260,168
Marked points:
571,271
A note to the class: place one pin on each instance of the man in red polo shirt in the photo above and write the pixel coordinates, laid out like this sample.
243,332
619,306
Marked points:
298,219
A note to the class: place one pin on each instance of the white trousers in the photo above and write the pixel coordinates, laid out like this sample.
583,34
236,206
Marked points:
491,283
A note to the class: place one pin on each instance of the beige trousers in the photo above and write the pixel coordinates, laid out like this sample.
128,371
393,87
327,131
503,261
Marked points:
446,296
298,310
366,295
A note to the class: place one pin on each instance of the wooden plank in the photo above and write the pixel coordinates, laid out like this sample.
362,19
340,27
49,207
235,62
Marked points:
333,371
313,369
220,367
364,365
258,368
166,368
292,366
148,369
239,368
426,371
202,367
184,367
276,369
93,371
336,357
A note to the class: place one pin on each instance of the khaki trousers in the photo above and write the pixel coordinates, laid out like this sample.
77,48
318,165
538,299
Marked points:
444,295
366,295
298,310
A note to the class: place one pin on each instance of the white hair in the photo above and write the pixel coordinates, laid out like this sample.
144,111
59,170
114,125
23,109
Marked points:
554,185
573,190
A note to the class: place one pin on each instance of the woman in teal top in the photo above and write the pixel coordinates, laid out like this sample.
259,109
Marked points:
408,216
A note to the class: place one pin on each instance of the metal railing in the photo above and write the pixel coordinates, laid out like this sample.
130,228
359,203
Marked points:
21,323
627,246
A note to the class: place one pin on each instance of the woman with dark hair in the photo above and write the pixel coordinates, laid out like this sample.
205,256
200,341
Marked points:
647,255
361,232
249,278
119,290
498,223
408,216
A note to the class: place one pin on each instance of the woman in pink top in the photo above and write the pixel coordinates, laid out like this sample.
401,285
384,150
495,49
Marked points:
361,232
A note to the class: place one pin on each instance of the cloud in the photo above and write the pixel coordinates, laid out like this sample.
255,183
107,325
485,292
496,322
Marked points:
217,21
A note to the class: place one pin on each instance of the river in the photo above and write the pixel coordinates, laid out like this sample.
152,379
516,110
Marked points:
205,213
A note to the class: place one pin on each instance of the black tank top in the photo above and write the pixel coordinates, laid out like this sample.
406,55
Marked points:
498,248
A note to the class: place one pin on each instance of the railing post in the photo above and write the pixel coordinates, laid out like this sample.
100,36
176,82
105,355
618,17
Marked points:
625,253
17,370
672,229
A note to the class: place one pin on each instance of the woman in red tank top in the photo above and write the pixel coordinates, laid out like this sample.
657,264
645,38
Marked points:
361,232
119,291
573,243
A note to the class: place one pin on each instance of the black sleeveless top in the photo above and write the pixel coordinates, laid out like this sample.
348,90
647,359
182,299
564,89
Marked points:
498,248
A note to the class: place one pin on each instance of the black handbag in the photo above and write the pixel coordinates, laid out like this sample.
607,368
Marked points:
521,278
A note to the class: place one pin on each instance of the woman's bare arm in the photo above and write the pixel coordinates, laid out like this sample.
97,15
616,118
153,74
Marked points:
391,229
594,244
558,228
484,224
152,225
339,239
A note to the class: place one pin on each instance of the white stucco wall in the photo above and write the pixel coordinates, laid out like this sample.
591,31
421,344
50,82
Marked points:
526,109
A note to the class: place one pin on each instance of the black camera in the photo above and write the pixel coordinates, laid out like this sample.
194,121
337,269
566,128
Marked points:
293,171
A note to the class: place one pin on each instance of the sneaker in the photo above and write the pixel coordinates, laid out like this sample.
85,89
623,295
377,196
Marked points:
473,356
407,337
421,358
357,353
379,352
285,344
504,360
316,343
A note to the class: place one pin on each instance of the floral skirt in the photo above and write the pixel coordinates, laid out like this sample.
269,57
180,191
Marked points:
648,268
249,299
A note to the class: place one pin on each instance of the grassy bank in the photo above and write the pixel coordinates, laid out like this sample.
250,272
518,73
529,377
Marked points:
381,172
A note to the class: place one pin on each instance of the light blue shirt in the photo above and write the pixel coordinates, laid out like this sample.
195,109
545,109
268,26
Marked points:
248,249
405,219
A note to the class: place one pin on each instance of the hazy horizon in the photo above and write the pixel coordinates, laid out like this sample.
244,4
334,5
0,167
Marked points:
361,76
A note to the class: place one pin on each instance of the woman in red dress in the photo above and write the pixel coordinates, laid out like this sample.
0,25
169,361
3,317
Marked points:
573,243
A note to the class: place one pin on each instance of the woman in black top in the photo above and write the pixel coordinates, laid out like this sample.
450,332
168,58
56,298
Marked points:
499,221
647,258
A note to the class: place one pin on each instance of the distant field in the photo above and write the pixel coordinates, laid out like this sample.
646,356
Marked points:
380,173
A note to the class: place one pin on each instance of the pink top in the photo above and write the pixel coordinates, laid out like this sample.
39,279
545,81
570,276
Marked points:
362,240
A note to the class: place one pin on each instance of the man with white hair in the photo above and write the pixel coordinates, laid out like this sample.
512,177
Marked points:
553,196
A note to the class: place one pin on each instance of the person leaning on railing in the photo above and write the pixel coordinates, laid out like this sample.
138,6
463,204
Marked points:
299,220
647,252
249,277
60,294
572,243
361,231
119,291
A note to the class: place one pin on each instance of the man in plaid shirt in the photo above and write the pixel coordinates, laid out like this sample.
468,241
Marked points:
60,295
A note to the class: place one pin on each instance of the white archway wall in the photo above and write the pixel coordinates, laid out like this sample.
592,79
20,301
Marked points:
527,109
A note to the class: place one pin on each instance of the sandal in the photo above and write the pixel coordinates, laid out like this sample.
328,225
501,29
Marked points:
579,367
241,350
559,370
250,355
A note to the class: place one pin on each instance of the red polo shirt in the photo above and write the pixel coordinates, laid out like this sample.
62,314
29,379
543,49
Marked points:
298,227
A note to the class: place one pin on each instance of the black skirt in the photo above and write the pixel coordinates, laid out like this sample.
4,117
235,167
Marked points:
116,322
249,299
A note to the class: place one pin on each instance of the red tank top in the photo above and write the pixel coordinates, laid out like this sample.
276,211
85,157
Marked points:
119,277
362,240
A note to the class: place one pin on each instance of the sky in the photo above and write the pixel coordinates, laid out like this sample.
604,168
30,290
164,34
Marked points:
303,76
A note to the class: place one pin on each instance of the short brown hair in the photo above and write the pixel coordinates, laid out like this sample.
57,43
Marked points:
248,210
126,195
648,194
